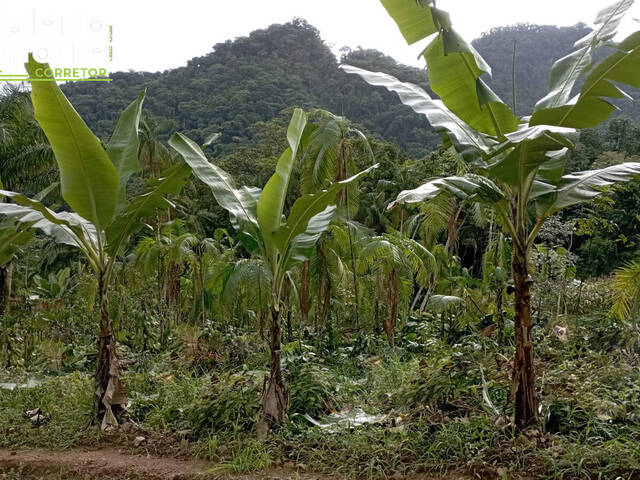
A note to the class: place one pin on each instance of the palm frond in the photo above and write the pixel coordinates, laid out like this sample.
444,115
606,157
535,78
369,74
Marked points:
626,291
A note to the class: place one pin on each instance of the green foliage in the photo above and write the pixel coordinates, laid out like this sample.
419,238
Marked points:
233,406
56,285
626,292
66,399
194,296
311,385
252,456
88,178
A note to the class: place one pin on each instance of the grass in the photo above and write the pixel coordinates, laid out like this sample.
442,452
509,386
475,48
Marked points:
251,456
67,399
437,419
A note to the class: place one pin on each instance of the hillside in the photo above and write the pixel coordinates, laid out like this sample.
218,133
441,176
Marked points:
253,78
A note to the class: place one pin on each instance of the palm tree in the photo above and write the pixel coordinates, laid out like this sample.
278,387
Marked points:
626,292
395,260
329,157
327,268
153,155
521,160
26,160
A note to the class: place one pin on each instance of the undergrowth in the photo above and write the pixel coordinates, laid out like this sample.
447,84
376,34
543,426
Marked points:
437,407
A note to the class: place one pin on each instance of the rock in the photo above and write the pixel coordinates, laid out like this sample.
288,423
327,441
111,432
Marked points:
288,464
562,333
139,441
31,413
37,417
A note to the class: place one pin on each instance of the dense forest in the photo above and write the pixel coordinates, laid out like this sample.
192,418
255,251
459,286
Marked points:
274,262
252,79
246,82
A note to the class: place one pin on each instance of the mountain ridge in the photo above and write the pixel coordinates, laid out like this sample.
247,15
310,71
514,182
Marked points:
251,79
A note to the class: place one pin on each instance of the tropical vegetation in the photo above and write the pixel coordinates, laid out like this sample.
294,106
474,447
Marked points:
254,280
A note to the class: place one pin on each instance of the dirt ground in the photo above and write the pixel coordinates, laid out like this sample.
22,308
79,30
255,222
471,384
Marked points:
111,464
106,463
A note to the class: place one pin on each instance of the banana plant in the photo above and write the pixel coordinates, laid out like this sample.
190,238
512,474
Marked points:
93,181
282,244
13,236
519,162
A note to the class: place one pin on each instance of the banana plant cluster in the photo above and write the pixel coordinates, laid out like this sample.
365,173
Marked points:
518,163
93,180
281,243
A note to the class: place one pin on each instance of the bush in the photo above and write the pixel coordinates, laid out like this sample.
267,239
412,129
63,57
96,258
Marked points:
232,406
311,389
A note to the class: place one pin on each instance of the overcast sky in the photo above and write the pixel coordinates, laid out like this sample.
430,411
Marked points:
161,35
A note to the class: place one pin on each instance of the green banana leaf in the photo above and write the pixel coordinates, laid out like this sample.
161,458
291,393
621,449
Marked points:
413,18
271,201
471,144
63,227
123,146
464,187
529,153
567,70
454,69
89,180
591,107
310,216
241,203
580,187
130,220
302,245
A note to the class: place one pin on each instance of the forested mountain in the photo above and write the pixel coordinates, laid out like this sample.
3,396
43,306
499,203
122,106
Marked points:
253,78
536,48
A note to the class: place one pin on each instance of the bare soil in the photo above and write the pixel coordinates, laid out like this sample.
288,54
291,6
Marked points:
105,463
112,464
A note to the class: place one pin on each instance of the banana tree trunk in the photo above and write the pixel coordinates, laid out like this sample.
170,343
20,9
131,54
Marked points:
523,381
275,401
110,395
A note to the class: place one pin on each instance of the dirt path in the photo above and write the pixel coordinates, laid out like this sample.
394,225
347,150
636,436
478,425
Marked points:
105,463
111,464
